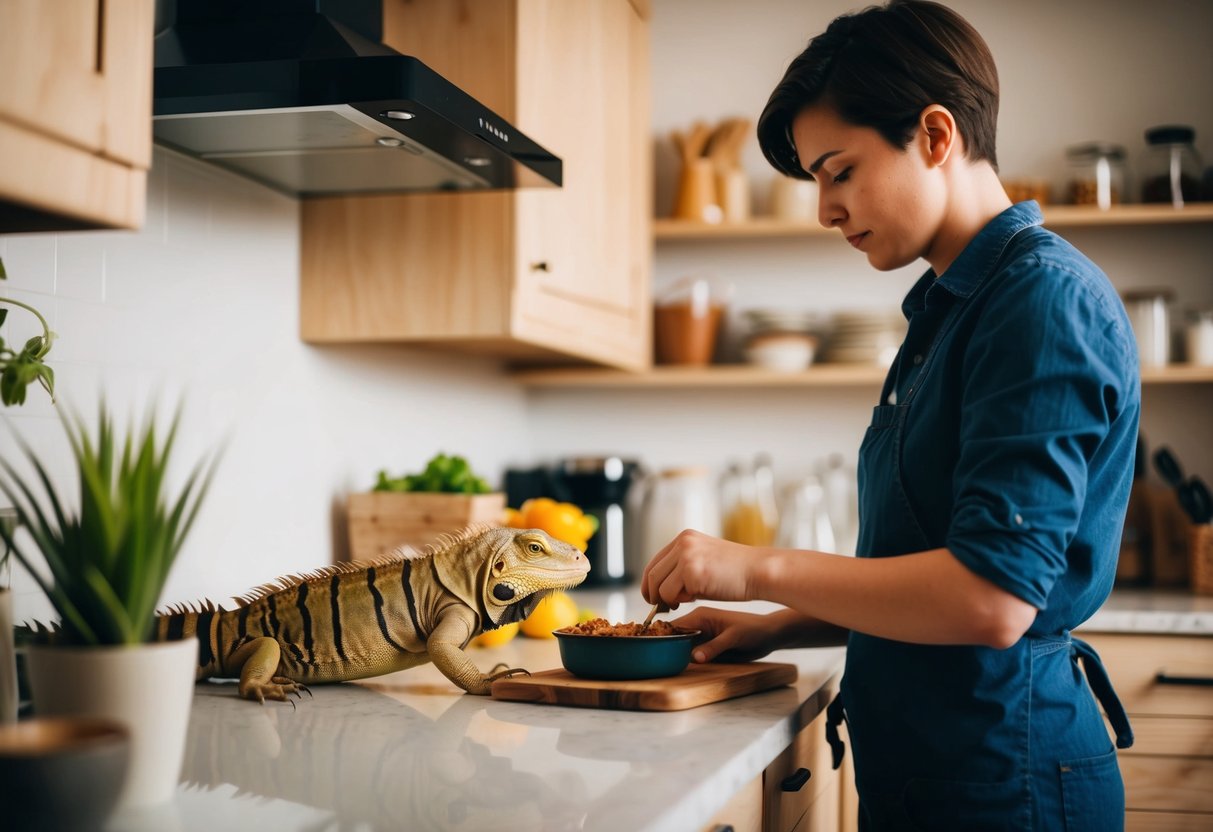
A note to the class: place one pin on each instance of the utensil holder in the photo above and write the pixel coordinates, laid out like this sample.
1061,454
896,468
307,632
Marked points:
697,193
733,189
1200,550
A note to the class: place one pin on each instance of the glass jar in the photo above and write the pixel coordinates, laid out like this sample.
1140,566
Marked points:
1151,322
1097,174
1172,168
1199,337
749,513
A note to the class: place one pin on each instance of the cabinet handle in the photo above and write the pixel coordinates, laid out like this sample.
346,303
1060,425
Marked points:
723,827
541,266
1200,681
795,781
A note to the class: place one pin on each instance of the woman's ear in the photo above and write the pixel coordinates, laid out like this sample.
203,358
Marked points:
940,134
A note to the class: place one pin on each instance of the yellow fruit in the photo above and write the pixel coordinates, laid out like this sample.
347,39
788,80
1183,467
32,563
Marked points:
492,638
512,519
556,611
586,614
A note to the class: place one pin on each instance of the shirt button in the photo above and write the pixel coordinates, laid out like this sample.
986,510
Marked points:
918,359
1019,519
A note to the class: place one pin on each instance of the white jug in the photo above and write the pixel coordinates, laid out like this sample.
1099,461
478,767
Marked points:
675,499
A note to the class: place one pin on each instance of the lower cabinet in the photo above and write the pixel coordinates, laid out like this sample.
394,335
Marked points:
1164,684
799,791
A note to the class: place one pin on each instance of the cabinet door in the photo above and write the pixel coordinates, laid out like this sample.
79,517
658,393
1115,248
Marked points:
801,791
583,253
79,71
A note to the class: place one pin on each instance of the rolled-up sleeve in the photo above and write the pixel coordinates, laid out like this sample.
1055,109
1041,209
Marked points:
1044,376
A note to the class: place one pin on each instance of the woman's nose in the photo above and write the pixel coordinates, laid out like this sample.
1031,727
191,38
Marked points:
830,212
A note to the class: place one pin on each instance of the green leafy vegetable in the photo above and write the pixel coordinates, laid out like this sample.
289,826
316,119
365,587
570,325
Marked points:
443,474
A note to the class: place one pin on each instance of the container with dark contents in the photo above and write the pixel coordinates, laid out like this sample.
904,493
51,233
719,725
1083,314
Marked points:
1171,170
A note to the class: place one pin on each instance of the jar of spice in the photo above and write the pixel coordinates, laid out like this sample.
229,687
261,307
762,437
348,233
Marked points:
1097,174
1172,169
1149,316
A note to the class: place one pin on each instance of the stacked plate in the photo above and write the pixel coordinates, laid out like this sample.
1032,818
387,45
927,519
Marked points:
866,337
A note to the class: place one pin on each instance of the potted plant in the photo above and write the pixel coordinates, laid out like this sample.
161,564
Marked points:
415,509
108,558
18,370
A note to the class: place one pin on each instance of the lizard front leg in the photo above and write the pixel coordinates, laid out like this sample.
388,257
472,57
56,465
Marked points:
257,661
445,648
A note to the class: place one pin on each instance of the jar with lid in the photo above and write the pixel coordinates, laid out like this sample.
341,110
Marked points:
1097,174
1172,169
1199,337
1151,322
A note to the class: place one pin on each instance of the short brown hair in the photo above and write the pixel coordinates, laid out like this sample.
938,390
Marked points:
880,68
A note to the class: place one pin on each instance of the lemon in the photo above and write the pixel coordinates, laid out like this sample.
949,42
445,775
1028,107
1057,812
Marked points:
586,614
556,611
492,638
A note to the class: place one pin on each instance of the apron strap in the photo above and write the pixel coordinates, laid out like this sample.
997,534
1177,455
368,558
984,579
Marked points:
834,717
1101,686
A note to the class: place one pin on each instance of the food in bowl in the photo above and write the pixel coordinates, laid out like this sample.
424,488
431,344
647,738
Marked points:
602,627
597,649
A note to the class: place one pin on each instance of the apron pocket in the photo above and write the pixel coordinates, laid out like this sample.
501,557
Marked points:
1092,793
958,805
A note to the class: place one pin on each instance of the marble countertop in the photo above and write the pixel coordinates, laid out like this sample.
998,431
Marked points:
1153,611
411,751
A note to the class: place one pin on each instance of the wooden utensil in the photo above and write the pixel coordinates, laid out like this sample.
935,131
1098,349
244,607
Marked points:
658,607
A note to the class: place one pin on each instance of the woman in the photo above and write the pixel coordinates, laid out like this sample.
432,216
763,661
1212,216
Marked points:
994,476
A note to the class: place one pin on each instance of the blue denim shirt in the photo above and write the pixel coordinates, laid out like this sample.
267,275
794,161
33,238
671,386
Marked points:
1018,452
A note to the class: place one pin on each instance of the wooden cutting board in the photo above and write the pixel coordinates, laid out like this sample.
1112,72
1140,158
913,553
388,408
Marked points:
698,685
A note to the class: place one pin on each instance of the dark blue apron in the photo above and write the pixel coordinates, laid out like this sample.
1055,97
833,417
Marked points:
968,737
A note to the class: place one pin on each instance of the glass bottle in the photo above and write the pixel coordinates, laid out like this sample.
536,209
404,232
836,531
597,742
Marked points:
1097,174
747,508
1172,168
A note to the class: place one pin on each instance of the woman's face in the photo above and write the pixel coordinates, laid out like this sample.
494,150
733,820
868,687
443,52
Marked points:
888,203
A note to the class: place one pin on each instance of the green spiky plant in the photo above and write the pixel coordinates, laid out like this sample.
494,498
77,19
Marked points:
109,560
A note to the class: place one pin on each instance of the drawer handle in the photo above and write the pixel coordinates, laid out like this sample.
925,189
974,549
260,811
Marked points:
795,781
541,266
723,827
1200,681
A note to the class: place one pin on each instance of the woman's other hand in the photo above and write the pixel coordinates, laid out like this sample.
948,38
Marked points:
729,635
694,565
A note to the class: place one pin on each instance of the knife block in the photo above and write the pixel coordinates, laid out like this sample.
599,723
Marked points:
1200,553
1169,544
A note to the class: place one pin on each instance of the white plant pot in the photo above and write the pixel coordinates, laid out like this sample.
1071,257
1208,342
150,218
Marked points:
149,687
8,659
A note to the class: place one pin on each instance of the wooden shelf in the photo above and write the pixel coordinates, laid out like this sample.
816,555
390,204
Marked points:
1056,216
743,375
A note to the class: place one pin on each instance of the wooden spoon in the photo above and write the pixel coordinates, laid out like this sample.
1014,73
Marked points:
658,607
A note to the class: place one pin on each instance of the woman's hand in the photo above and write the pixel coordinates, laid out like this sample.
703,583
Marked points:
694,565
730,635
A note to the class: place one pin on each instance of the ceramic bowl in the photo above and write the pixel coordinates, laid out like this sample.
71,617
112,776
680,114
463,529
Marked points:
625,657
60,773
787,352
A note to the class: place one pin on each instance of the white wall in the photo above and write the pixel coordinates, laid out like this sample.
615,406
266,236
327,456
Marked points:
1070,72
203,300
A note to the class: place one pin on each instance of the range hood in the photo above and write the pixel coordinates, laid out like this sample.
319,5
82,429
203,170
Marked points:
301,96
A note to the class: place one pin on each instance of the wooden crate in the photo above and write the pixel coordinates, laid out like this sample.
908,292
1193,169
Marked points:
381,521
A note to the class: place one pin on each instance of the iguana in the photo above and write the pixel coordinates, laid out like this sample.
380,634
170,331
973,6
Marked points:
351,621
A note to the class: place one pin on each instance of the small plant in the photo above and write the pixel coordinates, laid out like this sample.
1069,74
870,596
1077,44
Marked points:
109,560
18,370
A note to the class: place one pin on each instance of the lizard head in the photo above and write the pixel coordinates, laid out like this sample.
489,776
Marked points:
527,565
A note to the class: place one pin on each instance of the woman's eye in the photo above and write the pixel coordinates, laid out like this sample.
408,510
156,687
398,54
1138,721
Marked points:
843,176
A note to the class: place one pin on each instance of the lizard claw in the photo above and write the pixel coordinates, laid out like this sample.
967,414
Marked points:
277,689
504,672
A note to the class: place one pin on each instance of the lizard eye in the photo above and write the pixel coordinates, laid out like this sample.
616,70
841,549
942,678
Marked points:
535,547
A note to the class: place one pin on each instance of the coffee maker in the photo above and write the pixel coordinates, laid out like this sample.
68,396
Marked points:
599,485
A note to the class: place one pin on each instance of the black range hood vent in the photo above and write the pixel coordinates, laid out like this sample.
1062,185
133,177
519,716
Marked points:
301,96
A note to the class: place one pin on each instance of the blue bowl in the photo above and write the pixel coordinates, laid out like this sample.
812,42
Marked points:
625,657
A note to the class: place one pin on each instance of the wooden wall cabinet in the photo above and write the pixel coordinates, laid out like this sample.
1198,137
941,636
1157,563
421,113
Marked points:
75,113
554,275
1169,769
